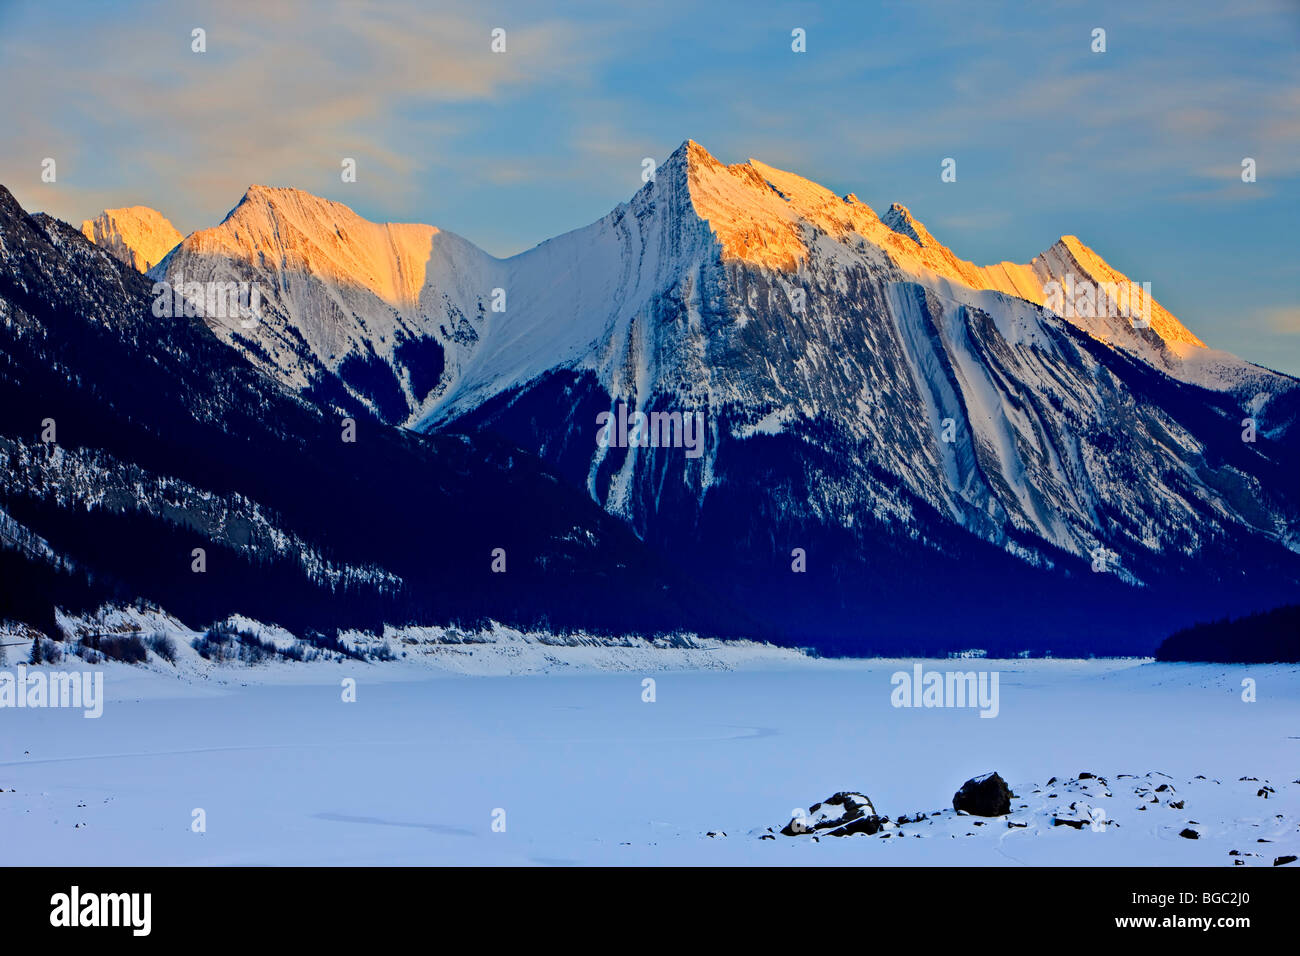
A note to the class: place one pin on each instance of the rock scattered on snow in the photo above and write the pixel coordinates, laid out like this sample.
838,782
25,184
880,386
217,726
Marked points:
1091,810
842,814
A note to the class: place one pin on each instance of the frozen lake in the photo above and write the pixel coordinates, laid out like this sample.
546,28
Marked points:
588,773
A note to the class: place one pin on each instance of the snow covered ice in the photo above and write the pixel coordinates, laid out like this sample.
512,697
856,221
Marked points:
588,772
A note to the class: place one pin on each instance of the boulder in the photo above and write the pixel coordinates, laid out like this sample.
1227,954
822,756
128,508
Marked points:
842,814
986,796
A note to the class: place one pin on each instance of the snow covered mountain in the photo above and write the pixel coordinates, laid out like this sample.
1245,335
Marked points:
129,440
347,306
866,391
136,235
882,419
762,217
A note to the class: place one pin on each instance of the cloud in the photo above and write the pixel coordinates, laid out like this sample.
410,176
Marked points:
1281,318
283,93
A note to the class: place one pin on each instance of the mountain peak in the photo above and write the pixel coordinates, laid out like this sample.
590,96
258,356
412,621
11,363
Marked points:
256,192
755,211
296,231
687,157
900,219
136,235
768,217
694,152
294,201
774,219
1070,258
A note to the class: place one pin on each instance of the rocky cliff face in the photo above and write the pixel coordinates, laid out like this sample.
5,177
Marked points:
136,235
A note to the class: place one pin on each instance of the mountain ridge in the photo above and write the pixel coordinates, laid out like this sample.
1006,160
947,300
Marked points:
865,393
714,192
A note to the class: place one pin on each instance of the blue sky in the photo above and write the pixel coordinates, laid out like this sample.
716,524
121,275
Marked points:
1136,150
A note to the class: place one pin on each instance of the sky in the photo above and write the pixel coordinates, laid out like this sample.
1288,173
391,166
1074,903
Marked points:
1137,150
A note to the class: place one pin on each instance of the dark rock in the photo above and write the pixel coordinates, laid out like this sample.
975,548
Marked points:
1283,860
1077,824
870,825
1189,834
986,796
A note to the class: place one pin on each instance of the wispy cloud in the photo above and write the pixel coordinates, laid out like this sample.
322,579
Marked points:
1282,318
282,94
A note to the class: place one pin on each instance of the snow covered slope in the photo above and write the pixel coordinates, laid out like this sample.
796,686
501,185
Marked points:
136,235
